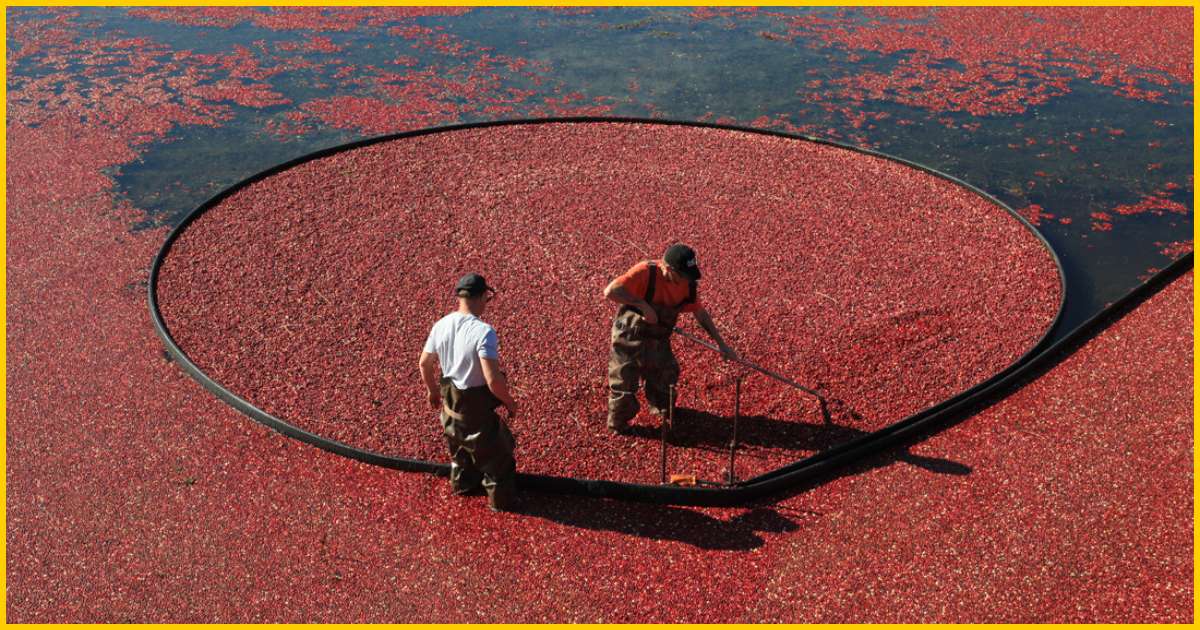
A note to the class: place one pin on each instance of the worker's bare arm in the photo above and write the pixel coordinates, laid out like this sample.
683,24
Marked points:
497,382
618,294
428,365
706,322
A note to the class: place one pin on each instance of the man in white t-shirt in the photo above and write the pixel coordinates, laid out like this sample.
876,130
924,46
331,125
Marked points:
471,387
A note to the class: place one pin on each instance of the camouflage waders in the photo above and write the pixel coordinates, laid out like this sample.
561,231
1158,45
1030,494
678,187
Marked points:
642,352
481,446
639,353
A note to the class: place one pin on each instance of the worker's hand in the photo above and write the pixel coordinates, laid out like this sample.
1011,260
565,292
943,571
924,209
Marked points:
728,353
649,314
435,400
511,406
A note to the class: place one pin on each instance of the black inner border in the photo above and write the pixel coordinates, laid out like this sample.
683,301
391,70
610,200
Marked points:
1040,355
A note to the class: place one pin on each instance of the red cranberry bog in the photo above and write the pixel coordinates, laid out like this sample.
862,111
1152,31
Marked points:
992,447
291,295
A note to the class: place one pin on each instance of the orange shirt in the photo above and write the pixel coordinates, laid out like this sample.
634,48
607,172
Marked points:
666,293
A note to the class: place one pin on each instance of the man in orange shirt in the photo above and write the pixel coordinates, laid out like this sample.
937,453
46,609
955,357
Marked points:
652,294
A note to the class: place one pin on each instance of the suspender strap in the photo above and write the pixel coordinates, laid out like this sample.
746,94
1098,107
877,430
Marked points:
446,409
650,283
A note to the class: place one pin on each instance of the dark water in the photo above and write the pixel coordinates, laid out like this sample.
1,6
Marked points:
661,62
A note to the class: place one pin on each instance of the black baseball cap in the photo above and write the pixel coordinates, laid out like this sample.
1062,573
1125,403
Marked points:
682,258
471,285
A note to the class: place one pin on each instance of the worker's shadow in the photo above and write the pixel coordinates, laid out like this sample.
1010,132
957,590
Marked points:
707,431
659,522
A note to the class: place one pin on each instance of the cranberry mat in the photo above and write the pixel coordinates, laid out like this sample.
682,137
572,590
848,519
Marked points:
307,291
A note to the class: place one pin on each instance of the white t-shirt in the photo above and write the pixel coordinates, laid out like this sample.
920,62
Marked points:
460,341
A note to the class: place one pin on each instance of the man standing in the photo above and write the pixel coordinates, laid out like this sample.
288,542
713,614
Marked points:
472,386
652,294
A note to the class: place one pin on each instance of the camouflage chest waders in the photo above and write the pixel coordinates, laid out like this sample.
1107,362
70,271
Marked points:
642,352
480,444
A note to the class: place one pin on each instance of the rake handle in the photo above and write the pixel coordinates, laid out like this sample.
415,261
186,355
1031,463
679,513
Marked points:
757,368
